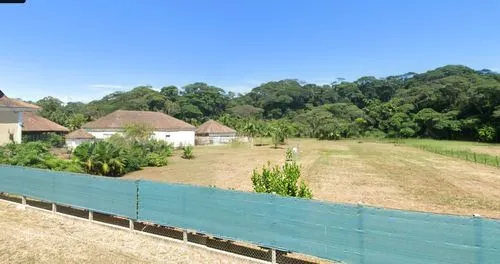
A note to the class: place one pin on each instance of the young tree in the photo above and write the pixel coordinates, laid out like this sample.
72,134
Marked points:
281,180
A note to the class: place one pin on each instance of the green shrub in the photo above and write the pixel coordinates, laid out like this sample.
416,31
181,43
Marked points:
187,152
56,140
53,139
100,158
280,180
36,155
156,160
486,134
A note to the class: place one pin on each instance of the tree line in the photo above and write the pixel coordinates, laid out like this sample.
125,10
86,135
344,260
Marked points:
450,102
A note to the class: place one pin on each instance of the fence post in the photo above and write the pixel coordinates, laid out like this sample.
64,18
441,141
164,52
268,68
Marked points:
91,216
54,208
185,236
131,224
23,200
273,256
497,161
478,238
137,183
361,233
475,158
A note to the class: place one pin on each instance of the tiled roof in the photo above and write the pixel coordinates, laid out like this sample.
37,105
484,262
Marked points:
157,120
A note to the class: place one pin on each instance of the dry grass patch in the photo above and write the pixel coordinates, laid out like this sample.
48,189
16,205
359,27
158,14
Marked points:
380,174
30,236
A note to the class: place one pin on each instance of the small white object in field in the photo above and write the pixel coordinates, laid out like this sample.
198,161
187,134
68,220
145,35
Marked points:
294,150
20,207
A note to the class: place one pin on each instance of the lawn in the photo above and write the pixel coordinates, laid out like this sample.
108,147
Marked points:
375,173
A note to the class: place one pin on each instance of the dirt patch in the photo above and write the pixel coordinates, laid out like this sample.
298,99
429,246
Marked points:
380,174
30,236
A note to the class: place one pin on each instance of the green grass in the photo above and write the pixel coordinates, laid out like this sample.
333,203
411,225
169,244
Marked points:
456,149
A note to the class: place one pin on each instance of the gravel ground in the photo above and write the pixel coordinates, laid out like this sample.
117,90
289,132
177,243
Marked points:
32,236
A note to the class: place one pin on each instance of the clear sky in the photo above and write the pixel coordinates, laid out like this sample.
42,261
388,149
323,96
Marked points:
82,50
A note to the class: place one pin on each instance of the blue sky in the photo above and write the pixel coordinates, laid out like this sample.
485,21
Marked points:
82,50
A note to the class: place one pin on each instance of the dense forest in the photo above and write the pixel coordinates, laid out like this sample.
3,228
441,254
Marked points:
450,102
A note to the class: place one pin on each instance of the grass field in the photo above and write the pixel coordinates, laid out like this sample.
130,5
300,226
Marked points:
488,154
380,174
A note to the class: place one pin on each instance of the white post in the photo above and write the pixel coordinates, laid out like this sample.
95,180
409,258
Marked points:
54,208
131,224
19,130
91,216
185,236
273,255
23,200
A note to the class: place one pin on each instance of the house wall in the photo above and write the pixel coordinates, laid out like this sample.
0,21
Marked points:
9,123
73,143
177,138
216,139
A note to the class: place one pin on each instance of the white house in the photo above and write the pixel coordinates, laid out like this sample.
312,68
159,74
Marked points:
212,132
11,118
77,137
167,128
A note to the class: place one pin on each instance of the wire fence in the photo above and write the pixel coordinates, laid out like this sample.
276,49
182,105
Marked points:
221,219
482,158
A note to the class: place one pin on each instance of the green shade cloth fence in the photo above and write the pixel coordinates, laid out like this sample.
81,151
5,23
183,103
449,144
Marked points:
348,233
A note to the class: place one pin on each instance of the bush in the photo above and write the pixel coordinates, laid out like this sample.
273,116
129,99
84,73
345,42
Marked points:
56,140
486,134
53,139
100,158
375,134
36,155
281,180
156,160
187,152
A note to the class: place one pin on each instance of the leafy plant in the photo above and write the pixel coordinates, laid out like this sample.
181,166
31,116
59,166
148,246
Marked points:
187,152
156,160
486,134
100,158
280,180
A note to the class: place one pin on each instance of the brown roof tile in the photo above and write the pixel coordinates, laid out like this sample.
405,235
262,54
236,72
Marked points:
213,127
35,123
157,120
6,102
79,134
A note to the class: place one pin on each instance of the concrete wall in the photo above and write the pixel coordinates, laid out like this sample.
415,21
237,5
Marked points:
8,123
73,143
216,139
177,138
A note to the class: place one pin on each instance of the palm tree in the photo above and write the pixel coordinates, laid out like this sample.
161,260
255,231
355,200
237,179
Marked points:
250,130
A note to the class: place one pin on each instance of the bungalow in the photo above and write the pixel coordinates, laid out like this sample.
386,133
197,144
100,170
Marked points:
212,132
11,118
77,137
36,127
165,127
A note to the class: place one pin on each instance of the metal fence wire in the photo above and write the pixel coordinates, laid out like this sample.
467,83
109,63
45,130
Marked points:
272,226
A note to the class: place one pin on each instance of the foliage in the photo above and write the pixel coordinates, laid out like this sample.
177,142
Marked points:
156,160
280,180
450,102
187,152
53,139
36,155
138,132
486,134
280,132
100,158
